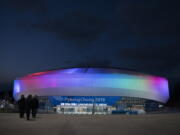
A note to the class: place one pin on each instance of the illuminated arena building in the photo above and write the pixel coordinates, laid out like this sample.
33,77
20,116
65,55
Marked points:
94,91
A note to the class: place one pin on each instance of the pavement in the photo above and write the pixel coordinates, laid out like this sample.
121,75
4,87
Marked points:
55,124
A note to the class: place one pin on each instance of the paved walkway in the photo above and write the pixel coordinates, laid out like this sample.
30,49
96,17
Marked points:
54,124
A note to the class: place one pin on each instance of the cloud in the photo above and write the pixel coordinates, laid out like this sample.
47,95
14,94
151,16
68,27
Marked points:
144,19
78,26
161,59
152,52
38,6
128,19
94,63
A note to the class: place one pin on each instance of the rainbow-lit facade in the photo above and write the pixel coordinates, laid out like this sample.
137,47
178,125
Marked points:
92,82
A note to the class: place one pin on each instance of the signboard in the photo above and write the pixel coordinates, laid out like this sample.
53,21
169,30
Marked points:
111,100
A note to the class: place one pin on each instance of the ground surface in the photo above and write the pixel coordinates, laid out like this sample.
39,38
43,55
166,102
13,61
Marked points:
54,124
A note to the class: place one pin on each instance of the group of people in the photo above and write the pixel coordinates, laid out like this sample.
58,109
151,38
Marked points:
28,105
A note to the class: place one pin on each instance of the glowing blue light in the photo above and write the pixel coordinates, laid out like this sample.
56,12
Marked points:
17,88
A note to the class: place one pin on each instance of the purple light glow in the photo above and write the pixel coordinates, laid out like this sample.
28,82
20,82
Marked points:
93,82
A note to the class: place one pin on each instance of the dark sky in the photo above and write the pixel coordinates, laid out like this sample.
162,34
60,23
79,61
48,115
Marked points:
38,35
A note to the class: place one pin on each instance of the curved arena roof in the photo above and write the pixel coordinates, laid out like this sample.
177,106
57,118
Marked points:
92,82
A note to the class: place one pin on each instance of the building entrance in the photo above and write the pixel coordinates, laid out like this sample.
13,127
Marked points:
74,108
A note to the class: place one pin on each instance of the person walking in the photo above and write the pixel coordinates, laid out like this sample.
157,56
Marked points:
28,106
21,105
35,105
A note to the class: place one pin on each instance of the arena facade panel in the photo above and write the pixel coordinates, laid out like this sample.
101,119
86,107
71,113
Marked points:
93,82
86,85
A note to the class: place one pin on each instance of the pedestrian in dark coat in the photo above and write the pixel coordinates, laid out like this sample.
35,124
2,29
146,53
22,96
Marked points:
28,106
35,105
21,105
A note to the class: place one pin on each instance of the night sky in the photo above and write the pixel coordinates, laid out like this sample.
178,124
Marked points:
38,35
